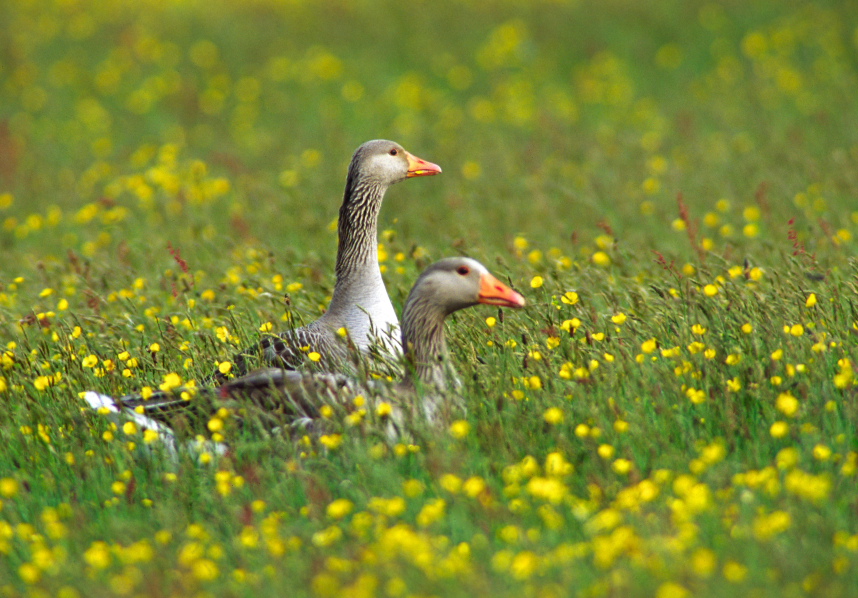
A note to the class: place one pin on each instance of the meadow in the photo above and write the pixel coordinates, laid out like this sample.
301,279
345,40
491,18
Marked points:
673,186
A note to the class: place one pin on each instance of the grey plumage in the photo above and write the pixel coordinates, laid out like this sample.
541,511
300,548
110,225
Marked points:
428,390
360,303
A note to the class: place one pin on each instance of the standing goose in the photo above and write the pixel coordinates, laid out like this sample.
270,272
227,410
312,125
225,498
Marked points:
428,390
360,303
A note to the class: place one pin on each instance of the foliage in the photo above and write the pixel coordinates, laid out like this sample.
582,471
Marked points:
672,185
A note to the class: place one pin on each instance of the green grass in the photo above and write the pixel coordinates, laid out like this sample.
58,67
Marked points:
683,424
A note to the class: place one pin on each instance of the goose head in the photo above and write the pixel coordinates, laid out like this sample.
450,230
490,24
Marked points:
383,163
446,286
456,283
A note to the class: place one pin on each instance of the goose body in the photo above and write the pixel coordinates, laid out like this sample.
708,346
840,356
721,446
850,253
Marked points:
428,389
360,302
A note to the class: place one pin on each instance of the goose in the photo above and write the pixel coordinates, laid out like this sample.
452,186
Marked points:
428,390
360,303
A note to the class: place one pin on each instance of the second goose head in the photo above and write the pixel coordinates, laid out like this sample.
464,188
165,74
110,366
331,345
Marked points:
443,288
456,283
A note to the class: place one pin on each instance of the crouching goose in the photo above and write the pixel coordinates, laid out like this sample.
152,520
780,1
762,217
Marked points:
428,390
360,303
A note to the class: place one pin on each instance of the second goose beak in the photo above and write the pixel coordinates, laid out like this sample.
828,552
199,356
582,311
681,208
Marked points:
419,167
494,292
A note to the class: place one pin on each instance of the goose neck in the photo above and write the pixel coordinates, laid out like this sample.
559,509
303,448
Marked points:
425,345
358,228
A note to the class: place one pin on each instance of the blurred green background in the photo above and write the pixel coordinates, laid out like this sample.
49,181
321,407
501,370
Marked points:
548,117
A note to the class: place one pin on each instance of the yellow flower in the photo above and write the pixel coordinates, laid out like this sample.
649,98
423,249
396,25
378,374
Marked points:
331,441
431,512
766,526
557,465
619,318
747,328
474,486
29,573
735,572
621,466
553,415
491,321
460,428
383,409
154,347
205,569
821,452
9,487
649,346
524,565
314,356
808,486
703,562
796,330
779,429
339,508
450,483
533,382
811,300
536,282
569,298
670,589
710,290
171,381
570,325
600,258
696,396
787,404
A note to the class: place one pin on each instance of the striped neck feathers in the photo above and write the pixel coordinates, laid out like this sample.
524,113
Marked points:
427,358
358,227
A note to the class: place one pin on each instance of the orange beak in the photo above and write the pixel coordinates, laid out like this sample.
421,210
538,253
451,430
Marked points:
419,167
494,292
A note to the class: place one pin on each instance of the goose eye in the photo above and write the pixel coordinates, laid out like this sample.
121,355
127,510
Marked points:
394,152
463,270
